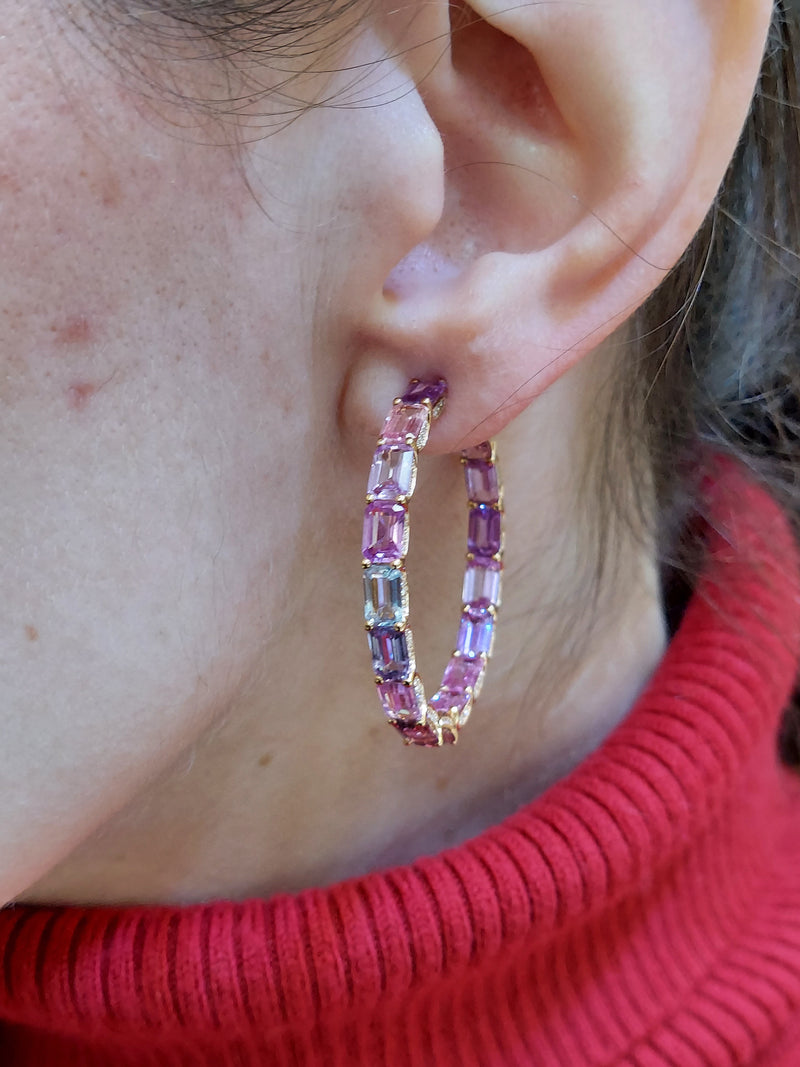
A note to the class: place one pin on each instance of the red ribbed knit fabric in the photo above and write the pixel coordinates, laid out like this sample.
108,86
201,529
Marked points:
644,912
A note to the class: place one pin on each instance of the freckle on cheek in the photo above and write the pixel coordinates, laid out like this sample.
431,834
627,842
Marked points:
79,395
111,192
9,184
73,331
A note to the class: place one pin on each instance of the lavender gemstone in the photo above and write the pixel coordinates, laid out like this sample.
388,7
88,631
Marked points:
476,633
385,602
484,535
404,421
419,391
483,485
484,452
461,674
402,702
415,734
391,659
384,539
482,583
392,473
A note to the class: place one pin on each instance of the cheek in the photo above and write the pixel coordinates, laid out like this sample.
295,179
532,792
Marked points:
173,341
141,416
171,351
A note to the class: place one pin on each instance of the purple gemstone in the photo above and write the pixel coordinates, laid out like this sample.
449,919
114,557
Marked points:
401,701
392,473
404,421
391,660
384,537
483,485
415,734
475,633
482,583
484,452
461,674
484,536
418,391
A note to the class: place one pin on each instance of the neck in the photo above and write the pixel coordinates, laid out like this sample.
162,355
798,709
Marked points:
299,782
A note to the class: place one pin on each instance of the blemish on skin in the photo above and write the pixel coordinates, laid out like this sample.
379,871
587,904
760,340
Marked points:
111,191
442,783
265,760
9,184
31,633
75,331
79,395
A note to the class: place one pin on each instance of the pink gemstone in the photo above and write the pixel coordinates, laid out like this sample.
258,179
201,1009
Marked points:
400,701
453,707
483,485
418,391
414,734
484,536
484,452
482,583
476,632
392,473
384,537
461,674
404,420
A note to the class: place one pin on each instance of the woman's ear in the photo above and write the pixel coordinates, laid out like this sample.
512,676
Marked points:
584,142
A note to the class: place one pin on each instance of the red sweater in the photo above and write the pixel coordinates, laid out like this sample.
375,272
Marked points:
644,911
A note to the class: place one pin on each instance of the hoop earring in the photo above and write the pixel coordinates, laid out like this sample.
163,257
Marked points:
392,479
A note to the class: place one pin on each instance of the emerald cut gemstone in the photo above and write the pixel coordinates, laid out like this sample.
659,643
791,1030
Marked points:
385,597
482,583
391,655
385,535
393,473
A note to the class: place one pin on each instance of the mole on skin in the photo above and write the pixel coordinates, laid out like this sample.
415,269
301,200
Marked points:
31,633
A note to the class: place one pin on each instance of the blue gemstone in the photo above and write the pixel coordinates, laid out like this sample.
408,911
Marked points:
384,602
391,660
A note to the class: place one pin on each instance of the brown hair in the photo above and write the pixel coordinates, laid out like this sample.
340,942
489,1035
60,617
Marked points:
717,346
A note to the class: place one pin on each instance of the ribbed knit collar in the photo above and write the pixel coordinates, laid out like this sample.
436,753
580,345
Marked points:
644,910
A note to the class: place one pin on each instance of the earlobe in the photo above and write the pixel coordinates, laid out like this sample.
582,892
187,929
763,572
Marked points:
583,146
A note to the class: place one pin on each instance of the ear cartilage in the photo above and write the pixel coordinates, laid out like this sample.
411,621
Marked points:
392,479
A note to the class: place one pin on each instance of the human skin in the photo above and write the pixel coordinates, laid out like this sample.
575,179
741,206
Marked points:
202,324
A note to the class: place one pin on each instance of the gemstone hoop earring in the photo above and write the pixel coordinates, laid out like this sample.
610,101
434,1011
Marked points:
392,479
